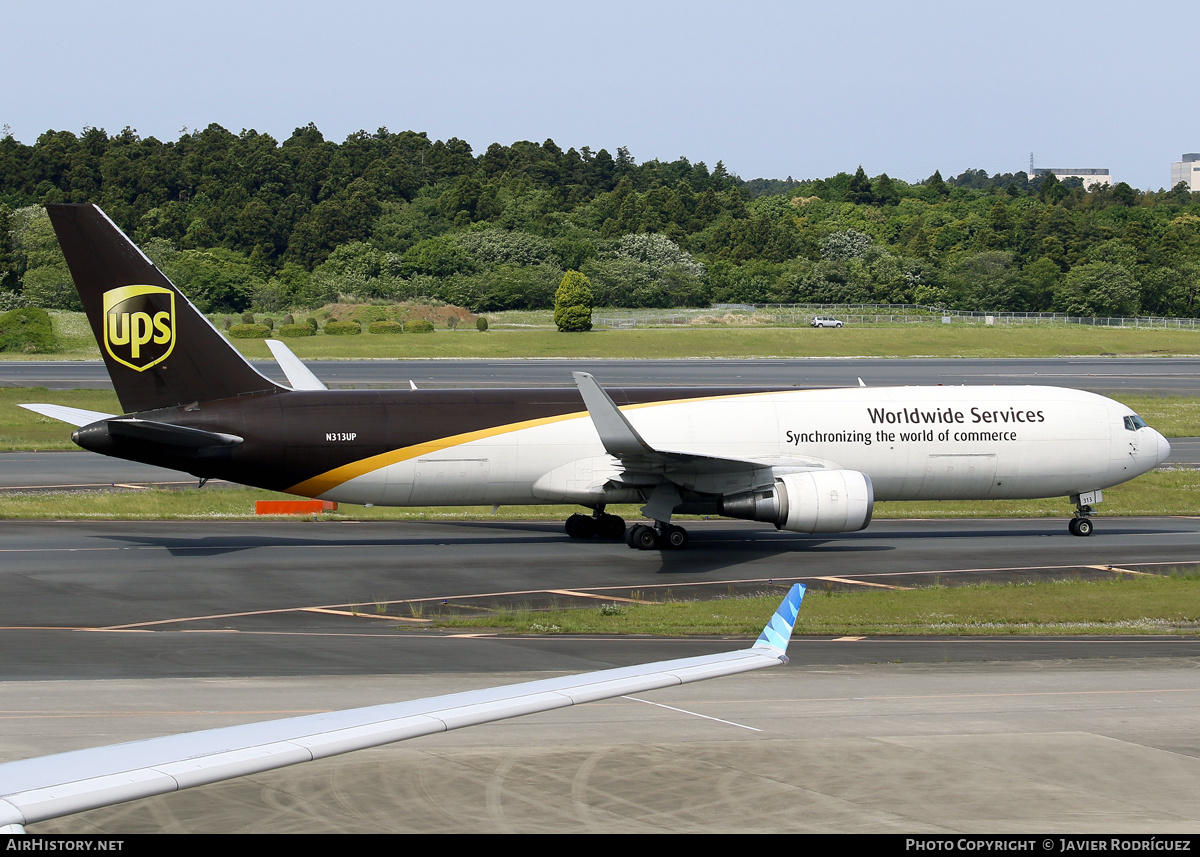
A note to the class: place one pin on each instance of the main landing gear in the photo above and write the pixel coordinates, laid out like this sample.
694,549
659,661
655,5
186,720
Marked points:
599,525
661,536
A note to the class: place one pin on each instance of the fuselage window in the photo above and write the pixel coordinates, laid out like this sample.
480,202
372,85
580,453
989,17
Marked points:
1134,422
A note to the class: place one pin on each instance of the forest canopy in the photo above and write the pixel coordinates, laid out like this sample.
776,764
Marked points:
244,221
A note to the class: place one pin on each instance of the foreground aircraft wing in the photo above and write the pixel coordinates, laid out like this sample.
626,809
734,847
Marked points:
38,789
298,375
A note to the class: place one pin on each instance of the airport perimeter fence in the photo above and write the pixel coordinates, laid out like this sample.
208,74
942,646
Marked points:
862,314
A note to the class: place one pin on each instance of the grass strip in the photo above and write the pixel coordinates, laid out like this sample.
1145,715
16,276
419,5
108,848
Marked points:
882,340
732,342
1127,604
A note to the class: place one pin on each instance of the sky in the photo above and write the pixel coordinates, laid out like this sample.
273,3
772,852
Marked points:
772,89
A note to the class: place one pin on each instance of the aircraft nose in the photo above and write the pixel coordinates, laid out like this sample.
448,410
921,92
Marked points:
1164,448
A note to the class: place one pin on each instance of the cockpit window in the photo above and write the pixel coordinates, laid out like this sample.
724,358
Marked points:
1134,422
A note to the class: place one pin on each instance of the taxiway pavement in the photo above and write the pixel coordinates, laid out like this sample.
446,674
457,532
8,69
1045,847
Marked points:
1111,375
162,599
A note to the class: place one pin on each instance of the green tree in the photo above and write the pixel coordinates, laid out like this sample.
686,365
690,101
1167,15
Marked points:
1052,190
9,279
986,281
937,184
1098,289
1123,194
573,303
885,191
860,192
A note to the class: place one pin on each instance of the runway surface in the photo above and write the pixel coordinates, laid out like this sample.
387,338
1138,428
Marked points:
183,599
1155,376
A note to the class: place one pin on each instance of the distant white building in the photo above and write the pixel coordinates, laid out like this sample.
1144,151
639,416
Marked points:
1187,171
1090,177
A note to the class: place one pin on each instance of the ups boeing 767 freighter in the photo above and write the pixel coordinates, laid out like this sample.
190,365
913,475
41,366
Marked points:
809,461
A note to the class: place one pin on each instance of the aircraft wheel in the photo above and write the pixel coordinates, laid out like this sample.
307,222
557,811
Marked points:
642,537
675,538
1080,527
580,527
610,527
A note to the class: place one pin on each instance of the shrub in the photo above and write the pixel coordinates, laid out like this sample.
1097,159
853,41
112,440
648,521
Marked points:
249,331
311,322
481,323
343,328
293,330
419,326
287,319
573,318
247,318
385,327
27,330
452,322
269,322
573,303
228,322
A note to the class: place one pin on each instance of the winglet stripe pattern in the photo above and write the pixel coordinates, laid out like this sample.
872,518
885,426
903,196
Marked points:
778,631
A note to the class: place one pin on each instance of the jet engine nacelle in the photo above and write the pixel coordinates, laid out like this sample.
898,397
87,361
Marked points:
818,501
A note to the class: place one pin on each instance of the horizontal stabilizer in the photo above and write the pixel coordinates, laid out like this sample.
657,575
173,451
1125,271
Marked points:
160,443
72,416
37,789
170,435
298,375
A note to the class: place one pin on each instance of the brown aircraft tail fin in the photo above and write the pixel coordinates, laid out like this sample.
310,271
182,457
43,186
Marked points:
159,349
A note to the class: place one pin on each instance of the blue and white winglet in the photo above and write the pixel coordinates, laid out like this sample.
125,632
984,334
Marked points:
48,787
775,636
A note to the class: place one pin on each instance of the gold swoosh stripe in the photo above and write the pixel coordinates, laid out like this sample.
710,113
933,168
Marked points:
330,479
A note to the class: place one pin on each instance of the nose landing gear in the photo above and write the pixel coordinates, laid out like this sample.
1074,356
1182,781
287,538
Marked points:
1081,524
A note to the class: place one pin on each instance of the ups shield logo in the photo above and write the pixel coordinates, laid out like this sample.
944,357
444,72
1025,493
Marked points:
139,325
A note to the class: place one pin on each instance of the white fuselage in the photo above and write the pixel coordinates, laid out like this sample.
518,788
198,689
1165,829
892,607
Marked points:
914,443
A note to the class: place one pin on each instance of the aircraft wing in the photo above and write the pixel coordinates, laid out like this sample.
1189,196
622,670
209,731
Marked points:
72,416
640,464
38,789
